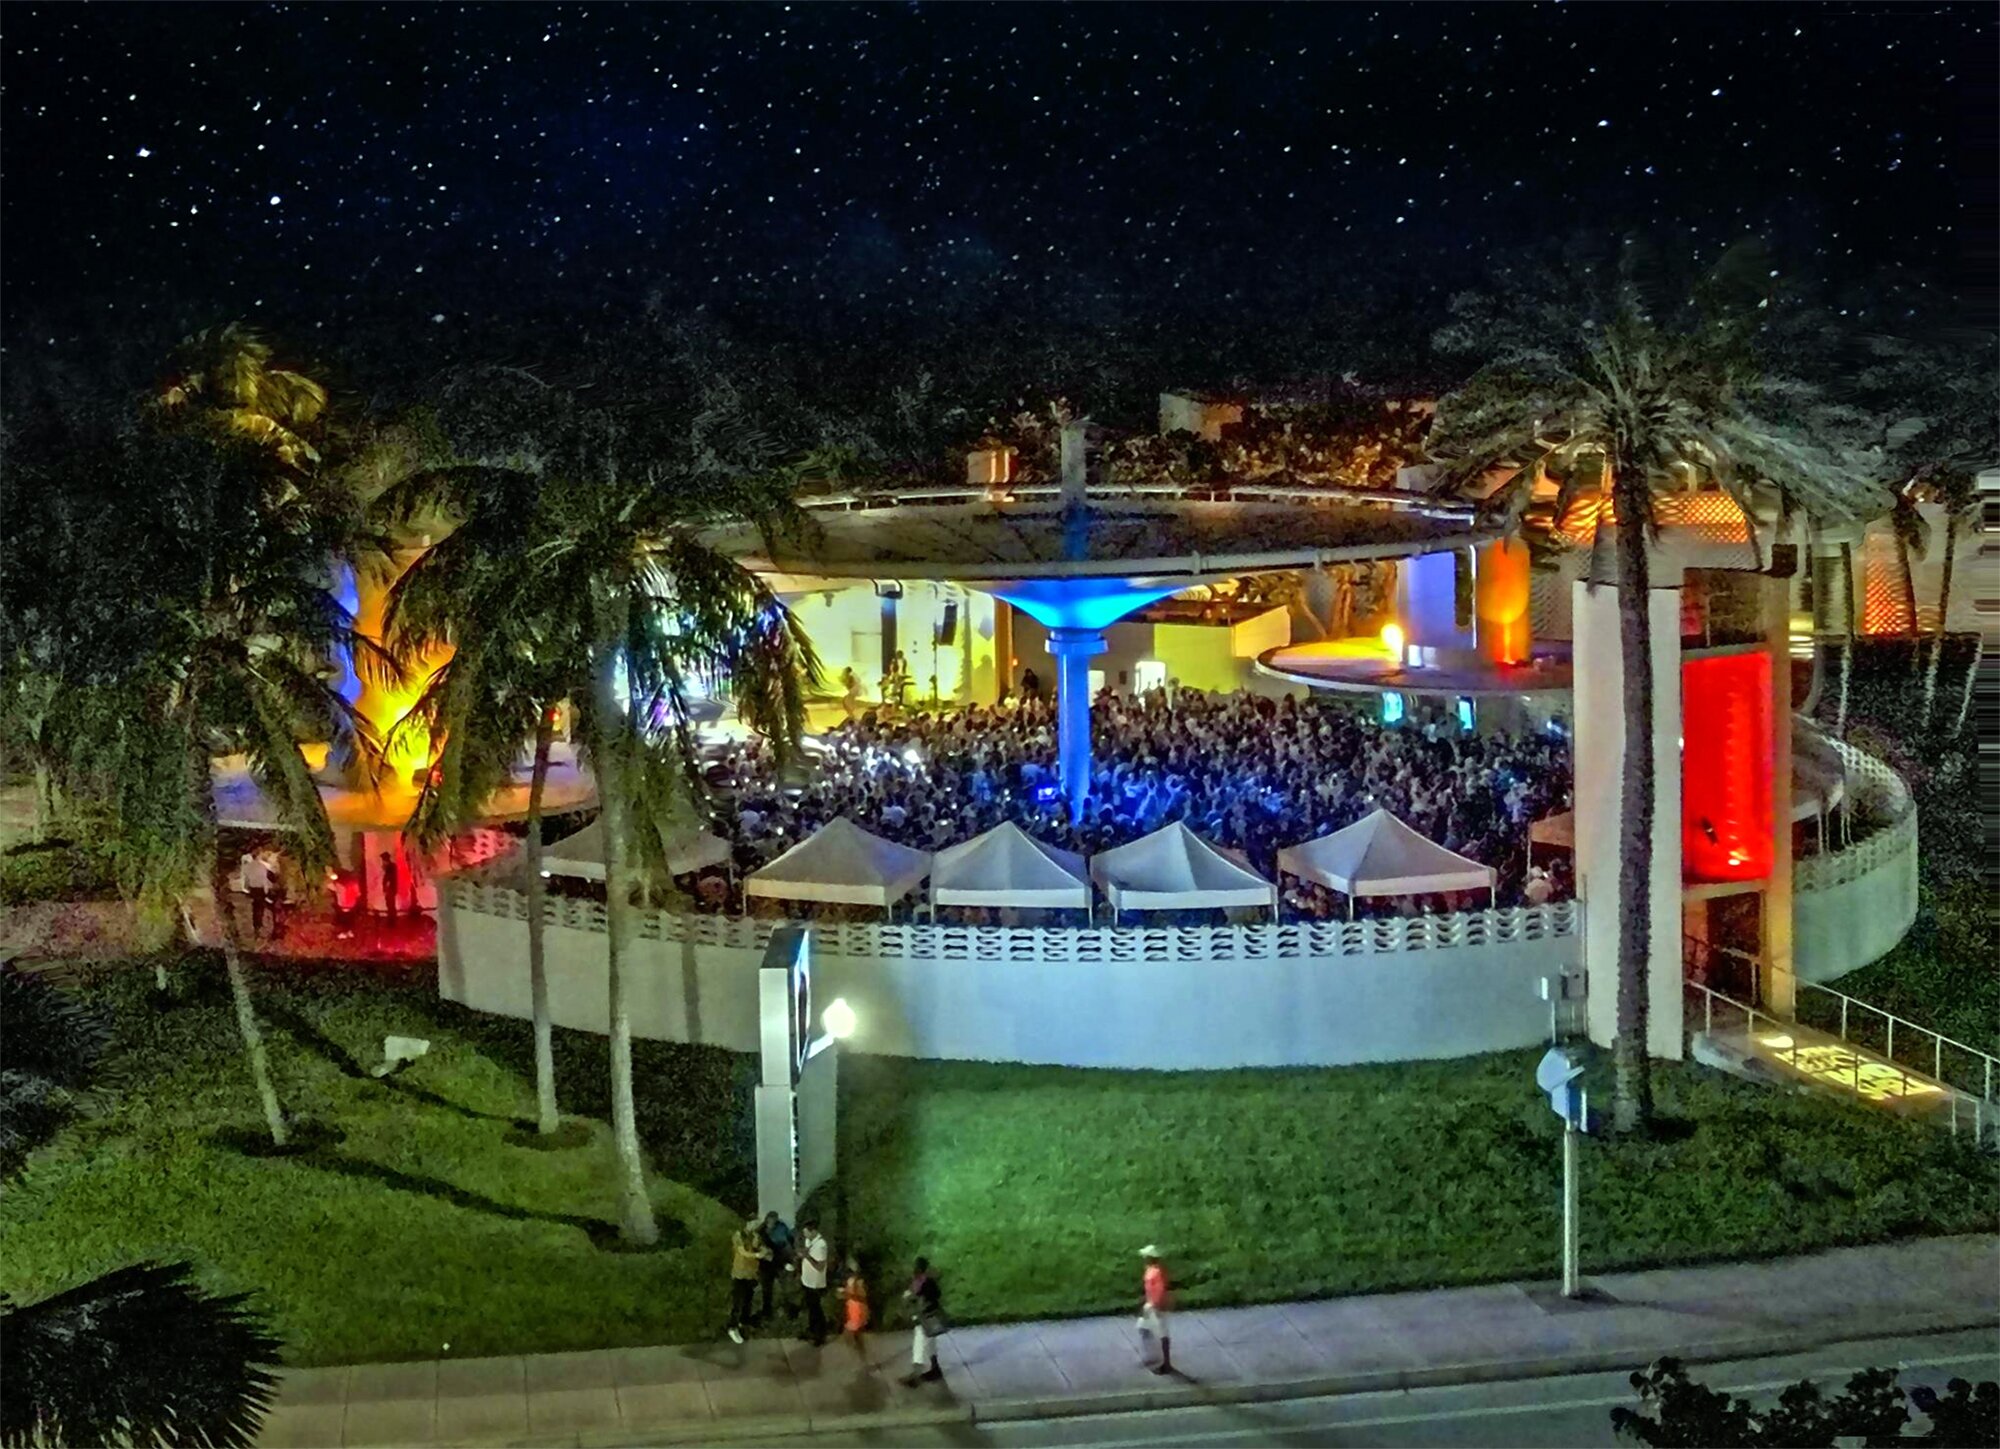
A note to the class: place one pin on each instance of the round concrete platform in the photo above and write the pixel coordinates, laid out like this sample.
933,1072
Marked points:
1125,537
1363,666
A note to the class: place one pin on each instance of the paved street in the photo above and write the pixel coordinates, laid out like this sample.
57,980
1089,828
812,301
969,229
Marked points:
1389,1356
1569,1411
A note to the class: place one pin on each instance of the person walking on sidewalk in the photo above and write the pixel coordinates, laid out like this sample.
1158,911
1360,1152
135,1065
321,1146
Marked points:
815,1257
776,1236
746,1256
1155,1307
854,1300
927,1300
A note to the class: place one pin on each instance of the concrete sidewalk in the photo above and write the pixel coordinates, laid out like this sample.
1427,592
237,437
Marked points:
769,1387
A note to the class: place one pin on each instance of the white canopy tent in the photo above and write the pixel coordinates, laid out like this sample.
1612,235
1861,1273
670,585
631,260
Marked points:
581,856
1378,855
842,864
1173,869
1006,866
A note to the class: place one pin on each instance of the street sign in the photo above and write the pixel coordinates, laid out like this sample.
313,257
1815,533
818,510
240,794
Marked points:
1557,1075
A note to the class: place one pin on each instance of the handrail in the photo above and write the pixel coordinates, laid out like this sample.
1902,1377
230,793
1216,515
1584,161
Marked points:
1221,491
1984,1117
1939,1041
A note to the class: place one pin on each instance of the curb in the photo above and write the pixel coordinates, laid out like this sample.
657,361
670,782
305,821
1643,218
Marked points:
762,1428
1431,1376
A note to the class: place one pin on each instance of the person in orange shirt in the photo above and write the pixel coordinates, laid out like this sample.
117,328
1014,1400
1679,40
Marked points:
854,1293
1155,1308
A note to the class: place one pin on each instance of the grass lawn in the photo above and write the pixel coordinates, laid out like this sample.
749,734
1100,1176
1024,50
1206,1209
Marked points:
422,1227
1030,1187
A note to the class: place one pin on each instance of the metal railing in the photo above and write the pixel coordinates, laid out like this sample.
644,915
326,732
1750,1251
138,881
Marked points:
1222,491
1952,1063
1859,1071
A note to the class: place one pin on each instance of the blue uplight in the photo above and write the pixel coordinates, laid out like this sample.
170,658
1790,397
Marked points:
1081,603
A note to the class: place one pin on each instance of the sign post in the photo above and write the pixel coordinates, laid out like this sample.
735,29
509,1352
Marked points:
796,1100
1556,1075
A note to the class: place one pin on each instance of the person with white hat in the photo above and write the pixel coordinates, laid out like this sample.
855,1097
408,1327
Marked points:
1155,1307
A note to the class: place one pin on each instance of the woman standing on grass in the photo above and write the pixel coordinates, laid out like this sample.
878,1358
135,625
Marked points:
854,1295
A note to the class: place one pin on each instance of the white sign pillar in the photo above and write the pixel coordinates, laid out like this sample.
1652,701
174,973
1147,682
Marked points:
1598,657
797,1089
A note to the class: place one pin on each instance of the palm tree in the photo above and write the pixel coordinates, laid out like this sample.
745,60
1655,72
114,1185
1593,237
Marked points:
506,677
1623,416
1913,537
220,643
611,578
142,1355
1958,491
50,1061
222,379
1849,613
661,615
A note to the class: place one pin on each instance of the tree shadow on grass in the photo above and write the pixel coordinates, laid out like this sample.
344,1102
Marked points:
348,1065
603,1234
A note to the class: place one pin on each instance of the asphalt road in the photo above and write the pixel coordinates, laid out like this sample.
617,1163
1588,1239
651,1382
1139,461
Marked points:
1528,1412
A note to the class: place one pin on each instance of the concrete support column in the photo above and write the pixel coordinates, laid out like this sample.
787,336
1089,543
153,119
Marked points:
1778,984
1600,773
1073,650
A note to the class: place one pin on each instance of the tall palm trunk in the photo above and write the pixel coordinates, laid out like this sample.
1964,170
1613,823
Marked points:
616,728
239,993
230,930
1909,583
1847,642
547,1119
1944,615
1632,1097
1971,683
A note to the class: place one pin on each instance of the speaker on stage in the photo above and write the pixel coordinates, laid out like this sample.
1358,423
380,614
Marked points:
947,628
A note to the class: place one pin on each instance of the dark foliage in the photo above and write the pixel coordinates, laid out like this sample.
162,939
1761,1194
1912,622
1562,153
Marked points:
1675,1411
51,1055
141,1356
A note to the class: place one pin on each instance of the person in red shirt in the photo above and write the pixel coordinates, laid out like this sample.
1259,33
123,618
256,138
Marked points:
1155,1308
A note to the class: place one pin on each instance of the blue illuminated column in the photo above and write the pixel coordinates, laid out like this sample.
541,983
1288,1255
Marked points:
1076,612
1073,650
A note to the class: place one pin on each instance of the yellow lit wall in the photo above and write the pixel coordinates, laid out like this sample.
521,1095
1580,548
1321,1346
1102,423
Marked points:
844,622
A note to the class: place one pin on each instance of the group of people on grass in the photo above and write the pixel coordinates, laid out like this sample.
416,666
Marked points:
1245,771
765,1252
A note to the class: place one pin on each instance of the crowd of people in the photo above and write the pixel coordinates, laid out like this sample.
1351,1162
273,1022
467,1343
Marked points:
1247,772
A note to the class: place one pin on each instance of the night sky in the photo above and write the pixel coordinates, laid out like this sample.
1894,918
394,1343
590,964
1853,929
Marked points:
429,160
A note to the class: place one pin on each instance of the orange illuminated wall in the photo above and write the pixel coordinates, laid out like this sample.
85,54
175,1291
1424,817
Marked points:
1501,593
1726,754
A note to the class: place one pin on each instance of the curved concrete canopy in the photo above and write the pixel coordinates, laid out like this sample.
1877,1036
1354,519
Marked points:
1363,666
1183,541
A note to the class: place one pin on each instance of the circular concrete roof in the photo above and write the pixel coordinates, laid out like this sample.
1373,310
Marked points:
1363,666
969,542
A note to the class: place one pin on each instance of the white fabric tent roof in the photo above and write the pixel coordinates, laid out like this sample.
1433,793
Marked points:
1006,866
1173,869
582,855
1378,855
842,863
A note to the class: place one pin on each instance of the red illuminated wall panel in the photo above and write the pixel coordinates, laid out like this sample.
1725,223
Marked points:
1726,754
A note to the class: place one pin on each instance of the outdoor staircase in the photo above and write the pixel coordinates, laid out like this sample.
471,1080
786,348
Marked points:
1750,1043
